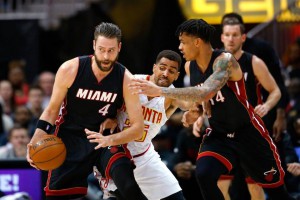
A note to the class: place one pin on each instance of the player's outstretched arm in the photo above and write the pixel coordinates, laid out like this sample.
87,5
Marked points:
225,68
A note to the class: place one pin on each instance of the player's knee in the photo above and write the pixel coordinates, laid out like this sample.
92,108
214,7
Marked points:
204,174
209,170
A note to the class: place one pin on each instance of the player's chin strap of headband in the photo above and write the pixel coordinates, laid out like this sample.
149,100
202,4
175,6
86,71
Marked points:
44,125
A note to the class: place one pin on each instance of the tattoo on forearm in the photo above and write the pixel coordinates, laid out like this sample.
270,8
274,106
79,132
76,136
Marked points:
187,94
222,70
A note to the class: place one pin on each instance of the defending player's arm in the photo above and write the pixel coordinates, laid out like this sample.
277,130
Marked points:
134,110
225,68
63,80
267,81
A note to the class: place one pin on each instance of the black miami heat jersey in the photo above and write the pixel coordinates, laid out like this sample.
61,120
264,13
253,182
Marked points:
251,83
230,108
89,102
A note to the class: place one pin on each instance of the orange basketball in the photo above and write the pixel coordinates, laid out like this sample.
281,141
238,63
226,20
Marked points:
48,153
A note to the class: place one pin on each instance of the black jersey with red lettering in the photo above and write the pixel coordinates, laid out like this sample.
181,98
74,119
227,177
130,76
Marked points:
89,102
230,108
252,84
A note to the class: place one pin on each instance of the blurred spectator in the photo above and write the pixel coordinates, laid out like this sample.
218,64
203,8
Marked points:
46,81
291,59
18,138
35,101
16,76
6,97
6,123
294,168
293,86
293,124
22,116
186,151
294,129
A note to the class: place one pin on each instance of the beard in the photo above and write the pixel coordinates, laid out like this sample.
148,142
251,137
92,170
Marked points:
109,64
162,82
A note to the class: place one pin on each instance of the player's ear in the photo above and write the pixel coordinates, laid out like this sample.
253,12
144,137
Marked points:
119,46
244,36
222,37
178,73
94,45
154,67
198,41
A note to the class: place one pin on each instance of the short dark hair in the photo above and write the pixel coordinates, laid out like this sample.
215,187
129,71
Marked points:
234,21
233,15
196,27
171,55
108,30
35,87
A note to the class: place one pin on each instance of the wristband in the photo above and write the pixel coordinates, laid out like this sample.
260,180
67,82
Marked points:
44,125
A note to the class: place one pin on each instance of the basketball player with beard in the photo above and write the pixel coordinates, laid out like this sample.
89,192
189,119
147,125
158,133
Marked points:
88,90
151,174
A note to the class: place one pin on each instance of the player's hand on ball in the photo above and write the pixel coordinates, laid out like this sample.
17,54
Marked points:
46,152
94,137
29,145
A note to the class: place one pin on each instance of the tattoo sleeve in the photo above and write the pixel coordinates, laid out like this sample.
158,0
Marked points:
222,68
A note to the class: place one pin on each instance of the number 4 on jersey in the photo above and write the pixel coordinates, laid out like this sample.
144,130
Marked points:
104,110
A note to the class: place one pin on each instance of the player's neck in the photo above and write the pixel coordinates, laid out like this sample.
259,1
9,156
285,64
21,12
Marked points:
238,54
204,57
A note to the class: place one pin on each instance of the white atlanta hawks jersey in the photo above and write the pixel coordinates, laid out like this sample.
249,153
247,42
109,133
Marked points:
154,118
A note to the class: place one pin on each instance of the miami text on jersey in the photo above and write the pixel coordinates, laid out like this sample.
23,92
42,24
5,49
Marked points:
96,95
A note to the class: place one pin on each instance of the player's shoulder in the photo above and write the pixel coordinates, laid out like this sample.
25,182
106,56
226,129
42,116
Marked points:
68,71
70,64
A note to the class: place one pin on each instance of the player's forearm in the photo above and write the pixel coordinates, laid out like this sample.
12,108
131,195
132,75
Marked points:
280,113
185,105
192,94
49,115
134,132
273,99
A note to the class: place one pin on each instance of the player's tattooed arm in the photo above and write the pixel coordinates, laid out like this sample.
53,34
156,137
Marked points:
222,67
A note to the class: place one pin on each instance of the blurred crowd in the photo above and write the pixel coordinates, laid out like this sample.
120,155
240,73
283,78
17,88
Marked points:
21,104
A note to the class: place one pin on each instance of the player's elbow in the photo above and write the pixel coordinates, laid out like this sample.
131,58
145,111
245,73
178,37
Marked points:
277,93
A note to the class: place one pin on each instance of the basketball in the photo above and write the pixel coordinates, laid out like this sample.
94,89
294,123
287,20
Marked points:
48,153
